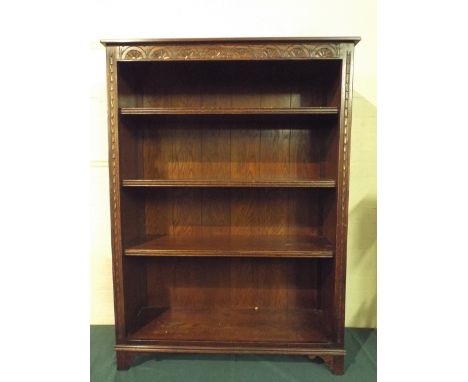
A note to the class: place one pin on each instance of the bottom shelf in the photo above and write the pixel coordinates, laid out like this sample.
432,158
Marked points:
231,324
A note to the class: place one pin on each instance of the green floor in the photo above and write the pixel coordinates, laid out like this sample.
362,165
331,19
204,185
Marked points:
360,363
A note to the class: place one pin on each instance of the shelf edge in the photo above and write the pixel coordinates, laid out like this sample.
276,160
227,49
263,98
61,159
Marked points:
221,253
329,183
221,111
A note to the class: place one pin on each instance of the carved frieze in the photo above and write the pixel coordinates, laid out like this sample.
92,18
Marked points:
228,52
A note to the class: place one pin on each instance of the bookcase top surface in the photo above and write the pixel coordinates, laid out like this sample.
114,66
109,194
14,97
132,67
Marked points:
135,41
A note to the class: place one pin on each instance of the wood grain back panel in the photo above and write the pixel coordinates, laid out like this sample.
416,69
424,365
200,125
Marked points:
234,282
245,211
236,148
159,212
274,208
275,152
199,284
215,153
186,211
245,153
230,84
216,212
186,153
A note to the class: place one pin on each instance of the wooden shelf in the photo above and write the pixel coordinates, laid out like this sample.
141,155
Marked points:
232,183
230,324
233,246
228,111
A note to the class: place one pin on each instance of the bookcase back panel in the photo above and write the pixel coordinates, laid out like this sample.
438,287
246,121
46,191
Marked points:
249,211
232,282
230,84
207,148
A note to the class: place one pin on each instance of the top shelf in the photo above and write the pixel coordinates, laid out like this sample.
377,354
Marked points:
228,111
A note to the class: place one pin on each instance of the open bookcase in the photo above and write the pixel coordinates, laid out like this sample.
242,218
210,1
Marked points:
229,168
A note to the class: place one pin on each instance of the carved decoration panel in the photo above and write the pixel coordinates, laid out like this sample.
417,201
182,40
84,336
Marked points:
228,52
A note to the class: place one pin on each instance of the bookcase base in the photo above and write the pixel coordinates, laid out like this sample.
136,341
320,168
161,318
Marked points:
332,358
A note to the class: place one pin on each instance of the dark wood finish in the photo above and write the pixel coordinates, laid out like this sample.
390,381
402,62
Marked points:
229,211
124,359
229,171
335,363
276,182
230,324
150,41
234,151
227,111
220,347
308,87
231,283
233,245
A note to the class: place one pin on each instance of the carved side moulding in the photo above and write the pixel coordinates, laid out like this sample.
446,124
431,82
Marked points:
228,52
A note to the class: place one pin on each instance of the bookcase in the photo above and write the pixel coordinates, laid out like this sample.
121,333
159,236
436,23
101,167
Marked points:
229,167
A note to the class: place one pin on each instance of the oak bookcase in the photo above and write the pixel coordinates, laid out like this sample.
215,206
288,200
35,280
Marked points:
229,162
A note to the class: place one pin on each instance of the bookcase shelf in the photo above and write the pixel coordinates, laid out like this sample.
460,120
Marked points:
233,245
221,324
228,111
284,183
228,172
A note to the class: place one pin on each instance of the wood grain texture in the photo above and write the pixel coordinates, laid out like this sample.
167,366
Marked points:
233,88
216,213
235,153
269,245
216,153
228,111
186,212
229,178
247,211
245,154
194,324
234,183
274,153
198,284
234,282
157,153
186,154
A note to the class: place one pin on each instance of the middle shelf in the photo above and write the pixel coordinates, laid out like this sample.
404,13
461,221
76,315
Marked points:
233,246
262,182
311,111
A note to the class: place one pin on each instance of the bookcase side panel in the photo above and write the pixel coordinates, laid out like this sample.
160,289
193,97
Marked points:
342,191
114,188
127,211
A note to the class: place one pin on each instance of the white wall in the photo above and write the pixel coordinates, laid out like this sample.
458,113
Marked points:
124,19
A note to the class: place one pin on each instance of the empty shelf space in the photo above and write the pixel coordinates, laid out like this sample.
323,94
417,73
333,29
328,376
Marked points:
226,111
257,87
233,245
231,324
286,183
